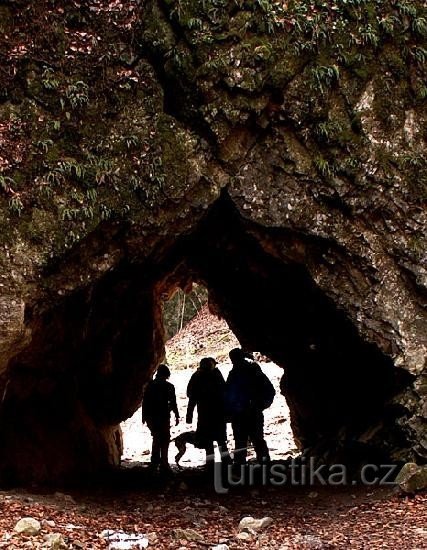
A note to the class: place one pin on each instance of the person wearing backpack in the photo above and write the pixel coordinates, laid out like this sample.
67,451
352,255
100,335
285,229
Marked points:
248,393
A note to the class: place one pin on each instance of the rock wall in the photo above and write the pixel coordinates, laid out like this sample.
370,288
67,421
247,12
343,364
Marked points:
121,127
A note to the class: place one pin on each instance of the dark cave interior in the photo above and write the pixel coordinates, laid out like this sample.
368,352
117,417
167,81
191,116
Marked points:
90,356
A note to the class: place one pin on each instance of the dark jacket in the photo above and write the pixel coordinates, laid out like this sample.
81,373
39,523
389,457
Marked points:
206,390
247,388
159,401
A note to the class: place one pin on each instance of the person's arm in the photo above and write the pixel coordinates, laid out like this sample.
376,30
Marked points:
145,407
173,405
191,394
190,411
227,404
219,389
222,385
220,377
191,387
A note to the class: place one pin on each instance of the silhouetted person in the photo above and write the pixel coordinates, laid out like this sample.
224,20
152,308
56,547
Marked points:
159,401
206,390
248,393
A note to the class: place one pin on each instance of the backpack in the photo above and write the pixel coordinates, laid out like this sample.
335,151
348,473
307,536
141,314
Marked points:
247,388
265,390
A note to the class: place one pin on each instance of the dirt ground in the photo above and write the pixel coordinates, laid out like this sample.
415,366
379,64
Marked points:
166,515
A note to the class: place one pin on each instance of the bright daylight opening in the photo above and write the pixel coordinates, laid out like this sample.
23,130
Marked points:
193,332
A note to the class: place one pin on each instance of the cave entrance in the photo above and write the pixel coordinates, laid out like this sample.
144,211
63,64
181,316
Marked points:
338,387
193,332
90,355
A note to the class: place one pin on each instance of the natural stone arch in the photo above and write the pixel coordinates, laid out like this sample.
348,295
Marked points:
88,357
340,388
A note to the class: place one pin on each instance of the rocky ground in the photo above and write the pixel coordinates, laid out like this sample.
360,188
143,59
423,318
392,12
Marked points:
131,509
176,516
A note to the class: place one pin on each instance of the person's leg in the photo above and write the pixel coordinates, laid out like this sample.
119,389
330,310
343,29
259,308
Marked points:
206,433
155,450
210,453
164,446
221,439
256,434
223,451
240,434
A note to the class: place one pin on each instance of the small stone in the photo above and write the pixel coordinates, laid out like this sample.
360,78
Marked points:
244,536
412,478
188,534
309,541
55,541
313,494
48,522
28,526
251,524
221,547
152,537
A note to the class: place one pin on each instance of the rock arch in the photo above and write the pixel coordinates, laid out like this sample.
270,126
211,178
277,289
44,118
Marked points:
87,357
